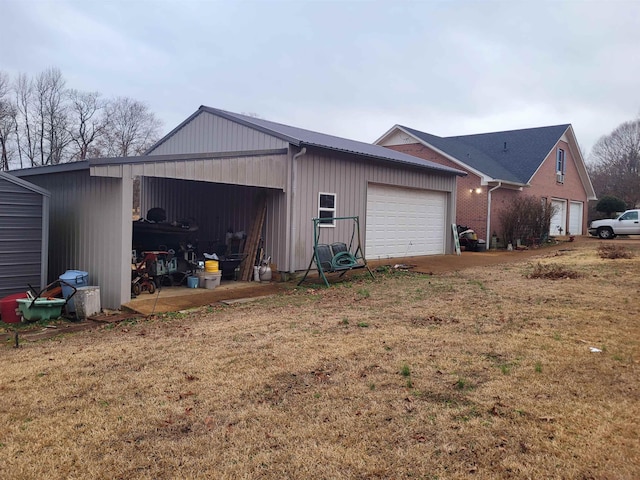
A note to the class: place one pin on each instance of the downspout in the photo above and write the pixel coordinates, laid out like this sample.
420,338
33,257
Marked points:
489,214
294,180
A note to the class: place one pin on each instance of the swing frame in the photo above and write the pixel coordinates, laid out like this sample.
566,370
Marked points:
342,260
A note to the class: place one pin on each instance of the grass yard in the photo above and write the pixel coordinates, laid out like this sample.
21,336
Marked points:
486,373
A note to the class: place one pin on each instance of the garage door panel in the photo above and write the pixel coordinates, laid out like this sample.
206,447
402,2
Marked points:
559,220
575,218
404,222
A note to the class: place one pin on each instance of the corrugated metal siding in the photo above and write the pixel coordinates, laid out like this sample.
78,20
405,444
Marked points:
267,171
215,207
211,133
21,217
86,230
348,177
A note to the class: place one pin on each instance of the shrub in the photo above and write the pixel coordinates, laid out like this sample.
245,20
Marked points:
552,272
613,251
610,205
526,218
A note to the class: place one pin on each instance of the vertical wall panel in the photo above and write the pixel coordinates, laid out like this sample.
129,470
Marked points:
348,177
86,229
21,237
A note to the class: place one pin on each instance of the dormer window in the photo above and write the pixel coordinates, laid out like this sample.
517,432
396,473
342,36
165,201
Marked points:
560,166
560,161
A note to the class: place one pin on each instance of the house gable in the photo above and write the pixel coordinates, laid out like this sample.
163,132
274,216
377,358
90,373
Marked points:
444,155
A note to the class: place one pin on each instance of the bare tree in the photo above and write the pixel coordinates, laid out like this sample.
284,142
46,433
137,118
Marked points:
131,128
26,137
7,122
53,130
614,165
87,122
49,124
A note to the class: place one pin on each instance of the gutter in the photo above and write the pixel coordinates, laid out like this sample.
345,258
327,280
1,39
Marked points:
294,230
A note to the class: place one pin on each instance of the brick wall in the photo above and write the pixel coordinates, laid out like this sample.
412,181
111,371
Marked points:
544,183
471,209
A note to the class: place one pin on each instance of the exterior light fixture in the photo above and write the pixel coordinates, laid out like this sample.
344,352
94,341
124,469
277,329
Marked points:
478,190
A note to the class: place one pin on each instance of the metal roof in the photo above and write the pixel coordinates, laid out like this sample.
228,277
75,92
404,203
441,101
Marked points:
301,137
512,155
46,169
8,176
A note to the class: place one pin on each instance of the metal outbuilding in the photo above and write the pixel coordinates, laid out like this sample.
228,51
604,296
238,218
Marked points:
24,234
215,165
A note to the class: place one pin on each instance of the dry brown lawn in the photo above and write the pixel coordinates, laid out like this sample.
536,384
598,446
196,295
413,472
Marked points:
484,373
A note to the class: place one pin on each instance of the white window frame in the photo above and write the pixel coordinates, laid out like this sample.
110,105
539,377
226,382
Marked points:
327,209
561,161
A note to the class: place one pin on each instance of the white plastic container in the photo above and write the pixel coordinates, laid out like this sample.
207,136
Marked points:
212,280
87,301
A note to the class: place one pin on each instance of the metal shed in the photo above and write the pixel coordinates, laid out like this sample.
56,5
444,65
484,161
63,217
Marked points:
214,166
24,234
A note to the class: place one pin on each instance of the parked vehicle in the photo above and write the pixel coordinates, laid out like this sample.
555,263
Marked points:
626,224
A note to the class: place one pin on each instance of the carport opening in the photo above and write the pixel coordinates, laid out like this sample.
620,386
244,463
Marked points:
189,233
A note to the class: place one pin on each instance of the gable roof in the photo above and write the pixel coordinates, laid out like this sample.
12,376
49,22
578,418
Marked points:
301,137
525,150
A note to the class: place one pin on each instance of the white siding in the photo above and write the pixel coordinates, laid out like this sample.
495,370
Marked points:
210,133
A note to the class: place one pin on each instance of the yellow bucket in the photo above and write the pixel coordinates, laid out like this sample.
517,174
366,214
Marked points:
211,266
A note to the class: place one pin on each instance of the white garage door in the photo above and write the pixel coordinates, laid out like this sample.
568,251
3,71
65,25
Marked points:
559,220
404,222
575,218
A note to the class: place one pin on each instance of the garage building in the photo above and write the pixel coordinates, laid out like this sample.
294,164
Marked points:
217,167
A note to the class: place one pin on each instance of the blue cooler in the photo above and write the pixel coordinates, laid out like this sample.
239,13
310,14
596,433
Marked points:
76,278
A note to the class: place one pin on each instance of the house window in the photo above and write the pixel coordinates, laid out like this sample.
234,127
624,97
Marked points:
560,166
327,209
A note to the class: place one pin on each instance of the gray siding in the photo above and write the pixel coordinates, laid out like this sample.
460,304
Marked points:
251,170
216,207
87,230
209,133
348,177
22,214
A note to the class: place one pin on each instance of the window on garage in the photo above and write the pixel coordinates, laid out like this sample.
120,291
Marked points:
327,209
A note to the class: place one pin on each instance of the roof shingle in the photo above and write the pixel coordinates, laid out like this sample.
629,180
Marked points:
512,155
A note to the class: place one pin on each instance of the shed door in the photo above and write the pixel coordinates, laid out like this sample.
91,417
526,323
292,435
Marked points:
404,222
575,218
559,220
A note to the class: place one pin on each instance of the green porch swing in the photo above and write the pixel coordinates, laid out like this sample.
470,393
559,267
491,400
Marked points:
338,256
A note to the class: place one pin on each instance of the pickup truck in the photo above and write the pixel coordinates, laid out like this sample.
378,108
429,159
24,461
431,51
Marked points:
626,224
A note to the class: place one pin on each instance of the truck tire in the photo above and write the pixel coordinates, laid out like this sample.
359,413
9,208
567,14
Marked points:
605,233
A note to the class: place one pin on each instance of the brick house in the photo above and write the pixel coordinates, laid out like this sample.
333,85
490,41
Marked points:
544,162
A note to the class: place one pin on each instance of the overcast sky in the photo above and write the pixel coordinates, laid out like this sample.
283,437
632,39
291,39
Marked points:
349,68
